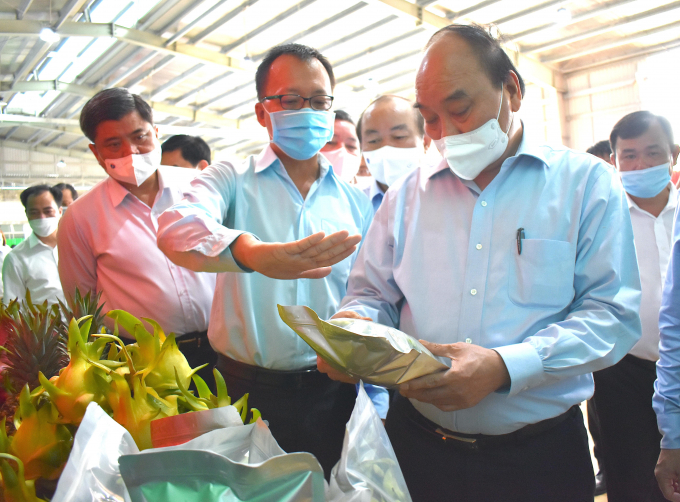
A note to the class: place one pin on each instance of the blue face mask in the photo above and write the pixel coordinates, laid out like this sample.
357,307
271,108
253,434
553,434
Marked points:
646,183
302,133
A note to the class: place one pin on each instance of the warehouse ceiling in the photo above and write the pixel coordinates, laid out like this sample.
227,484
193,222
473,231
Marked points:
194,60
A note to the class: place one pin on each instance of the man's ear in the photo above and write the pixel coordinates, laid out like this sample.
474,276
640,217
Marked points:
93,149
202,165
612,159
515,91
674,153
260,112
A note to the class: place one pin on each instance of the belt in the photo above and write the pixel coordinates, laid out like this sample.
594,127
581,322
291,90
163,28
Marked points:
266,376
475,442
195,339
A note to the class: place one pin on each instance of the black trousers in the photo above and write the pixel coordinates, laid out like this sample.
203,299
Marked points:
196,348
306,411
630,437
553,465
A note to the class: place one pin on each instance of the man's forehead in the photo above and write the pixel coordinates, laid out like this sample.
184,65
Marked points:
392,112
125,126
653,137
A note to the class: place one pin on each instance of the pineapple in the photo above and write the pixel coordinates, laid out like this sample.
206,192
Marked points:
84,306
34,344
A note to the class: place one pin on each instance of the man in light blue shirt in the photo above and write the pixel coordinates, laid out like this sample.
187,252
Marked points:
233,219
516,264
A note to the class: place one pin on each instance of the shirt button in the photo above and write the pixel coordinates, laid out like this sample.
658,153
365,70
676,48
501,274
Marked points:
468,340
483,203
478,246
473,292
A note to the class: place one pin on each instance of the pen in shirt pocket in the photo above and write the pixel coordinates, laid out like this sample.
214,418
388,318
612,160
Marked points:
520,236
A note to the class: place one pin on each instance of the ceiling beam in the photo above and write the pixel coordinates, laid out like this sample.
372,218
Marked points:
130,35
23,8
526,12
81,154
619,23
532,70
581,16
618,42
629,54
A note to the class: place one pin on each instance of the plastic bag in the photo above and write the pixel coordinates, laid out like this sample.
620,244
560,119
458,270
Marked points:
368,470
92,473
235,464
178,429
375,353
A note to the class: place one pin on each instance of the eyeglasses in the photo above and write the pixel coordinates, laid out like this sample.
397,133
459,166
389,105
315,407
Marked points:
296,102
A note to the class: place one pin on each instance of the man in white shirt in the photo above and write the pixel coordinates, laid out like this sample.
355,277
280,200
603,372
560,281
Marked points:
644,153
107,237
393,142
32,264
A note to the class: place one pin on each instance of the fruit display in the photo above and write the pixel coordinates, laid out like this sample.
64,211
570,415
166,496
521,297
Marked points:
58,361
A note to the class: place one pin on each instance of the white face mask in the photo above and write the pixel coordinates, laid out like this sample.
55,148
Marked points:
468,154
388,164
44,227
135,169
363,182
345,165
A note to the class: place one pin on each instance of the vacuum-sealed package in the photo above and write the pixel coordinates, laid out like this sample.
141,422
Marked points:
372,352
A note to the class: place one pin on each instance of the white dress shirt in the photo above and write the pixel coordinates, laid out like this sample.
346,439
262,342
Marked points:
653,238
4,251
107,240
33,265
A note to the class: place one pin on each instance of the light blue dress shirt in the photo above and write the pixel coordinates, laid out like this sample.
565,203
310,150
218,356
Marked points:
441,262
667,386
375,195
259,197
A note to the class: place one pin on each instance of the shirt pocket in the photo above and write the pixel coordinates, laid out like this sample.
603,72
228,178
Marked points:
543,275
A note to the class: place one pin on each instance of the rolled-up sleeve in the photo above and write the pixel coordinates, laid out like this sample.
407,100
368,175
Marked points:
192,229
667,386
603,322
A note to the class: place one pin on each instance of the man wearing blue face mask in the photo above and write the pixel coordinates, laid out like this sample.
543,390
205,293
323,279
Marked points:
235,213
515,264
643,152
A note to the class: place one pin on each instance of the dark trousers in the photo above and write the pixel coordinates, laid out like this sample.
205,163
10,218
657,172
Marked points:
553,465
595,433
196,348
306,411
630,436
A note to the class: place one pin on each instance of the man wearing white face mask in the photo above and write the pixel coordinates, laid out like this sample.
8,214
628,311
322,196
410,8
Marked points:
393,142
107,238
237,213
515,264
343,151
32,264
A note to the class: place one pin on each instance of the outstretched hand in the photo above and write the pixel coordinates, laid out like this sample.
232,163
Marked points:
668,474
308,258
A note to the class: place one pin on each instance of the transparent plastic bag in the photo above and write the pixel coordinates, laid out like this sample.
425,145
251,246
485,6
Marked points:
372,352
368,470
92,473
236,464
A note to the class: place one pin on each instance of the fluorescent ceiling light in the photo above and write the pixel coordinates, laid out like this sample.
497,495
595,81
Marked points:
48,35
61,164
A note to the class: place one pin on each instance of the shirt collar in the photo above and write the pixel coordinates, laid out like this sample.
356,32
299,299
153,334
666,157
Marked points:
33,240
268,157
670,205
374,190
116,191
526,148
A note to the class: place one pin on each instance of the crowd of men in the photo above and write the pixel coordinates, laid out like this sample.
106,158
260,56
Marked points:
536,271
